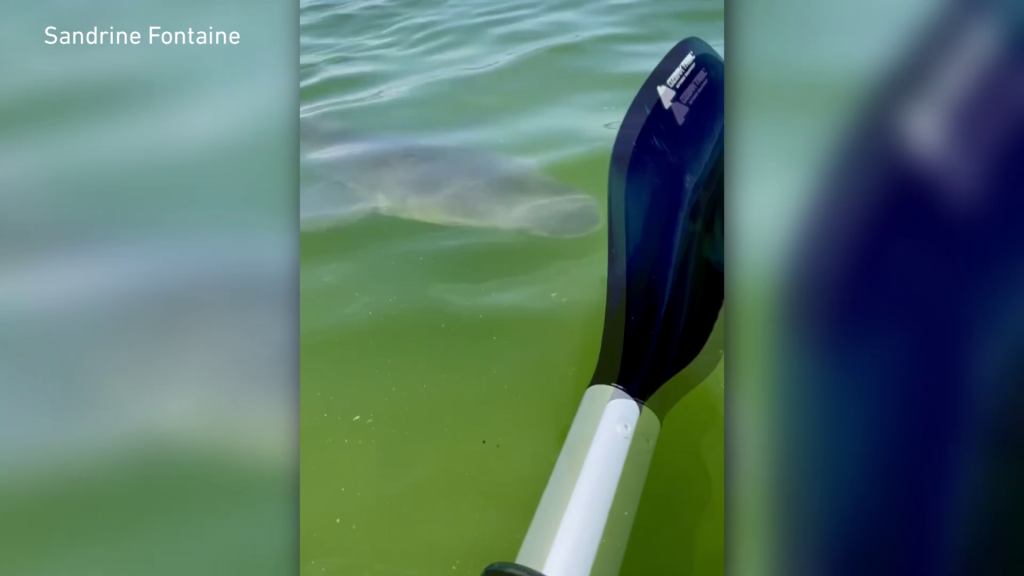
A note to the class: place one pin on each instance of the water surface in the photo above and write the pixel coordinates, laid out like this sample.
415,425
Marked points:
441,366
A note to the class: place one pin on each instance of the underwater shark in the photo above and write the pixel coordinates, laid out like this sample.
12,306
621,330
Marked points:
347,176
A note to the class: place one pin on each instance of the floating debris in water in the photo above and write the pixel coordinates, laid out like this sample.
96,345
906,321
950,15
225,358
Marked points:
370,420
356,418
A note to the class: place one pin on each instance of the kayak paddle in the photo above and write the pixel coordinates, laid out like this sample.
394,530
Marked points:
665,294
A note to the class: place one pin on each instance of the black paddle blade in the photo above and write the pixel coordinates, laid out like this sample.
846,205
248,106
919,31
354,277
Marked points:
665,255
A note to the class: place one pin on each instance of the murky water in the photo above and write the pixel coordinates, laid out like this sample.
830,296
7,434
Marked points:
441,366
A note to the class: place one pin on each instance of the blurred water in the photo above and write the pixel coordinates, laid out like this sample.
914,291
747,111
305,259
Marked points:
441,366
147,294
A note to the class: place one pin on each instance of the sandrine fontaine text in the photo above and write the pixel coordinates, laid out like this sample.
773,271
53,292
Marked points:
156,36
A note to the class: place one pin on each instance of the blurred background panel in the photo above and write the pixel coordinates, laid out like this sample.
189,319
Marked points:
875,280
798,71
148,299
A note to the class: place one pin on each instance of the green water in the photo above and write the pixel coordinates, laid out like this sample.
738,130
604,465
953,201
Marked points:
441,366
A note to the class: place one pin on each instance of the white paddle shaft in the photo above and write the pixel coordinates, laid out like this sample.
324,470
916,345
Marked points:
571,521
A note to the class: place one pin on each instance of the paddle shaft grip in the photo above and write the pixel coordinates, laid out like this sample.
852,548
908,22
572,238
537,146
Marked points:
584,518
